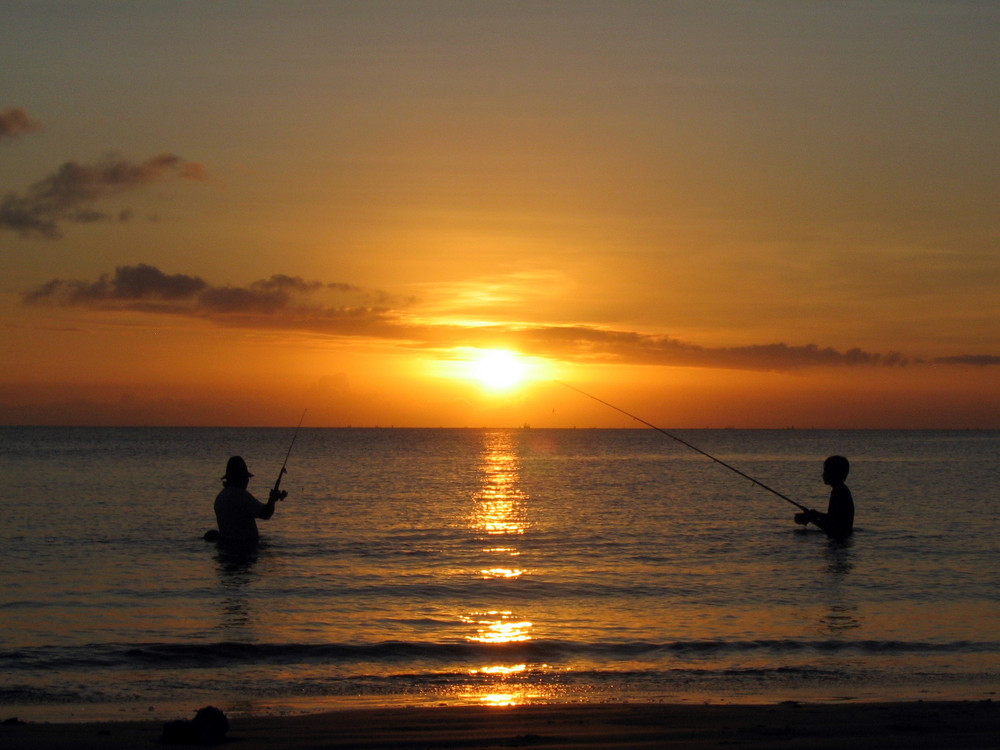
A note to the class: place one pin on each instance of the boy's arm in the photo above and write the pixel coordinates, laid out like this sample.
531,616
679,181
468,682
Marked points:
811,516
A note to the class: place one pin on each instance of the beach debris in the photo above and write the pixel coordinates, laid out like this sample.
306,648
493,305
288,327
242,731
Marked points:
208,727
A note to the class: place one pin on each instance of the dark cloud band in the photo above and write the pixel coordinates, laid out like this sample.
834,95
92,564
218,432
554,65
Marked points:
69,193
14,122
345,310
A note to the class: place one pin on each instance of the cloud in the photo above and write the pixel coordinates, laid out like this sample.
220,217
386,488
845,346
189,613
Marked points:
285,302
584,343
260,297
68,194
14,122
129,283
976,360
281,301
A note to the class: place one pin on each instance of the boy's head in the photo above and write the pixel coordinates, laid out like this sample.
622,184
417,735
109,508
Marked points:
835,470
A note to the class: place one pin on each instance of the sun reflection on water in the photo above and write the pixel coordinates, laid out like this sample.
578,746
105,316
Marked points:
501,670
498,627
502,699
507,689
498,519
502,573
500,507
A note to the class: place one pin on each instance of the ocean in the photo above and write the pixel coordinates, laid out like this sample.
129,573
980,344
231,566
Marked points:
482,566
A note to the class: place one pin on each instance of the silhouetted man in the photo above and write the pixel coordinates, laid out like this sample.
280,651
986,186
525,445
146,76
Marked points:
236,510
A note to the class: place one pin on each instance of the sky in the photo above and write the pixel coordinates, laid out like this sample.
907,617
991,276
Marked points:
440,214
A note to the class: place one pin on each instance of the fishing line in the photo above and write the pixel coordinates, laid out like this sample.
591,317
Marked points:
695,448
295,435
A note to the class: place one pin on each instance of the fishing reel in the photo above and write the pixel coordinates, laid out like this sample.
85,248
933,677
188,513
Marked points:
806,517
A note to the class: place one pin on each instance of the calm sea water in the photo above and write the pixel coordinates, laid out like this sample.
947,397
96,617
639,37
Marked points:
491,566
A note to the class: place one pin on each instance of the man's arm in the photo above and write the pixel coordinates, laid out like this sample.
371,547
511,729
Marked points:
267,509
255,508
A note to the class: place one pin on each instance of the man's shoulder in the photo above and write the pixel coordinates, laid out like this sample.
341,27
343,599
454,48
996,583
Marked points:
232,494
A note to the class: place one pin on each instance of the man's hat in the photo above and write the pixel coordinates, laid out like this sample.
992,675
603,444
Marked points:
236,468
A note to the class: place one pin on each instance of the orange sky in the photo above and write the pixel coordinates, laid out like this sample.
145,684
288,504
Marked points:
761,214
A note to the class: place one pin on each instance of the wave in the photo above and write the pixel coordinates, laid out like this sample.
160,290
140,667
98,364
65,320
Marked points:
228,654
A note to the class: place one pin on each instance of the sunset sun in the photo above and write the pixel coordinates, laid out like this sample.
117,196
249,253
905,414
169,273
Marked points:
498,369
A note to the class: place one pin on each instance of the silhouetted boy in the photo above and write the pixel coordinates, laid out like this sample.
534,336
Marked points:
838,521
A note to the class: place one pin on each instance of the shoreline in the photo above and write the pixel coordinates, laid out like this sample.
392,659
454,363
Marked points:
861,726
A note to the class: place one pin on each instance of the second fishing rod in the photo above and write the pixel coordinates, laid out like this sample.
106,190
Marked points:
687,444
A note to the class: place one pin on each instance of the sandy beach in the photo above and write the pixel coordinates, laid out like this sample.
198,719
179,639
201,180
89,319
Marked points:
788,725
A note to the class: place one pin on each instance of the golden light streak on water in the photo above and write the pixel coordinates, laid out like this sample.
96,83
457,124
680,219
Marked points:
500,505
511,551
499,518
501,670
502,699
498,627
502,573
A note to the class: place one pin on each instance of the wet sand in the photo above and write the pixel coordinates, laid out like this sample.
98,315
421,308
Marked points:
912,725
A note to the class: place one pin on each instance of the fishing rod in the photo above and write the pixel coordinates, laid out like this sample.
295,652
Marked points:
282,494
686,443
